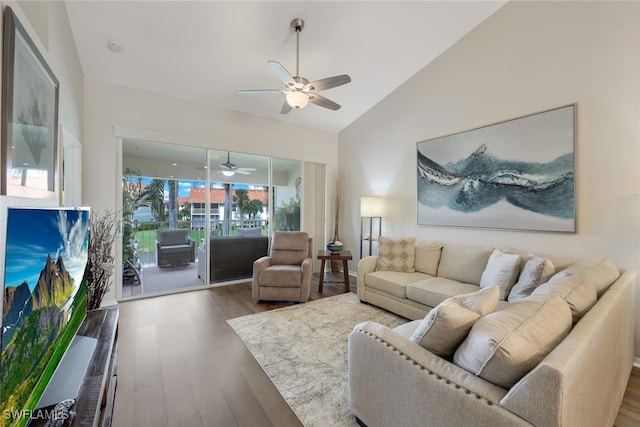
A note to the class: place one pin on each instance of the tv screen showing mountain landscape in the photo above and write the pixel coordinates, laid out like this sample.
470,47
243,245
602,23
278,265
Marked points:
44,302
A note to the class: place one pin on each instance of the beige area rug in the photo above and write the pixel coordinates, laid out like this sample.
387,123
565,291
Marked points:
303,349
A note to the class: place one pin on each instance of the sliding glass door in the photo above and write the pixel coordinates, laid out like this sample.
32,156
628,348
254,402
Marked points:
223,204
157,180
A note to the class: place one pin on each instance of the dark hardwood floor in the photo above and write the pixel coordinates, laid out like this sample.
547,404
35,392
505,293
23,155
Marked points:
629,412
180,364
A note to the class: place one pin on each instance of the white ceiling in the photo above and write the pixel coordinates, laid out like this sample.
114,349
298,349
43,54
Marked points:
207,50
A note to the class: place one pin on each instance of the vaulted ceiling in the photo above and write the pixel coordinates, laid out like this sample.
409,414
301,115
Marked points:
206,51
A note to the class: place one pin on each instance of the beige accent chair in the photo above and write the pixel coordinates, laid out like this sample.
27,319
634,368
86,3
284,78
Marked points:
284,275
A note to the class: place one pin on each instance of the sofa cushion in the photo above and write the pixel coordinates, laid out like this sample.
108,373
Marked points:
505,345
535,271
173,237
463,263
176,249
289,247
578,292
601,273
427,257
444,327
255,231
434,290
396,254
392,282
501,270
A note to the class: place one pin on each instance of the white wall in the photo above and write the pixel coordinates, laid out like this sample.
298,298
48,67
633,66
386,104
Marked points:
111,110
528,57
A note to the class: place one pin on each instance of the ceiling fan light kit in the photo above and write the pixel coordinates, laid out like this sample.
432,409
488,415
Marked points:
297,99
298,90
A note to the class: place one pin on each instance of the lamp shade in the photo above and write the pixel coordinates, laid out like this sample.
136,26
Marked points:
371,206
297,99
228,173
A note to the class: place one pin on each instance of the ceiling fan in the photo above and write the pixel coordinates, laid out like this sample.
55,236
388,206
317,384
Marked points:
229,169
298,90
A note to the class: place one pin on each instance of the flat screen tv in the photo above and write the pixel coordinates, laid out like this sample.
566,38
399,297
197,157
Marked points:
44,303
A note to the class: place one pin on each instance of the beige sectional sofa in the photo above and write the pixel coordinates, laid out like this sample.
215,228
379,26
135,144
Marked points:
577,379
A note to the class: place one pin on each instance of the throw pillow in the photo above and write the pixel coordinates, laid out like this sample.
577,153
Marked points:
576,290
505,345
601,273
444,327
535,272
501,270
396,254
427,257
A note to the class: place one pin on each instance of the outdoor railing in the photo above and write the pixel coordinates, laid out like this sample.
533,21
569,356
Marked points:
202,211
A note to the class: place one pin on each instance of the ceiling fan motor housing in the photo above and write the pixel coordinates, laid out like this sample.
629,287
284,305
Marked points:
297,24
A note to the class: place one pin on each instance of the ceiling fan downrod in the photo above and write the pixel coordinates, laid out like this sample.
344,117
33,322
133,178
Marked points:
298,26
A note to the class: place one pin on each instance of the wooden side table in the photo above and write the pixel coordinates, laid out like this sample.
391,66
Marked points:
343,256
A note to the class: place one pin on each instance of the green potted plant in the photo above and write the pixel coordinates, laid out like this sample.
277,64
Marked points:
287,216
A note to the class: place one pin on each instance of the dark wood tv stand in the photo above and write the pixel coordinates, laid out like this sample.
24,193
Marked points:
96,398
94,405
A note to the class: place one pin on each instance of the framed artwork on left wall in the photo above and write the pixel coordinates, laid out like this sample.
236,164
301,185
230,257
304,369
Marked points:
29,117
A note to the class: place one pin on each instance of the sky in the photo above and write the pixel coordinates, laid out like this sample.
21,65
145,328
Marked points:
184,187
32,234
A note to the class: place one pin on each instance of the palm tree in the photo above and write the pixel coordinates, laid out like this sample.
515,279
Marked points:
153,195
241,198
173,203
253,207
226,223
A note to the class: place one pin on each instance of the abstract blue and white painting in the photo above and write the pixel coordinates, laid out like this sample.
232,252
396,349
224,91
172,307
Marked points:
518,174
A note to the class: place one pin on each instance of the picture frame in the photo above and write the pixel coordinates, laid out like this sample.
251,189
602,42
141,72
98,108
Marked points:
29,166
518,174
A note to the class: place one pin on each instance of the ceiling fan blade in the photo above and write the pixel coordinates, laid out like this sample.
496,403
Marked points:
243,171
323,102
327,83
282,73
251,91
285,108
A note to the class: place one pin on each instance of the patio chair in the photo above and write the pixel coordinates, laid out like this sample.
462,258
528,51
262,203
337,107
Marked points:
175,247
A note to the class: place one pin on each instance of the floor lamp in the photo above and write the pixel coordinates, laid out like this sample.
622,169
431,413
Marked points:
371,210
